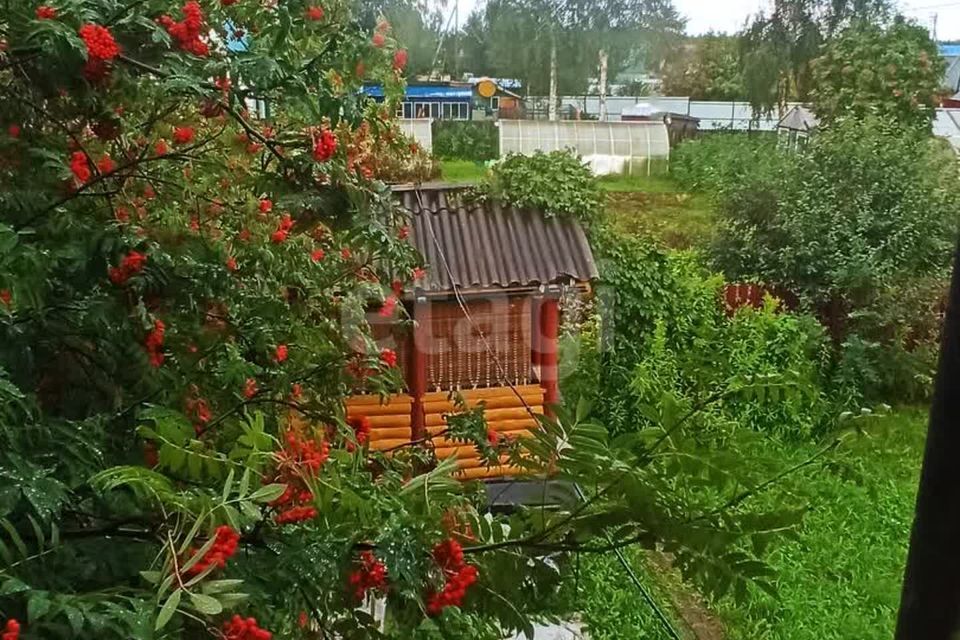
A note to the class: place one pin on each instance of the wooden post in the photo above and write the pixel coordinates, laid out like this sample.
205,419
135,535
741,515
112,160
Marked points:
549,330
535,332
419,352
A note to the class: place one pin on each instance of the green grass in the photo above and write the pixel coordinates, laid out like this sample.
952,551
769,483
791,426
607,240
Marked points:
657,208
609,605
842,578
462,171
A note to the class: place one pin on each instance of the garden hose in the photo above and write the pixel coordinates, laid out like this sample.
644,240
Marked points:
668,625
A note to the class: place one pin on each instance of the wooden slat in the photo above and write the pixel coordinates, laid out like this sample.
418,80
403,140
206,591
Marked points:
493,472
379,422
513,425
496,402
494,415
366,401
371,410
390,434
380,445
476,463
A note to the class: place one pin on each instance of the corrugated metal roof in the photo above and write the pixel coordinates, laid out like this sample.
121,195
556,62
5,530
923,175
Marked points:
425,92
489,247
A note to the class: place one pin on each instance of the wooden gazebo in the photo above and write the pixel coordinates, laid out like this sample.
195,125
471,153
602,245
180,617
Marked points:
486,320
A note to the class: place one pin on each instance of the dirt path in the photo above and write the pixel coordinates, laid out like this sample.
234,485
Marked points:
698,621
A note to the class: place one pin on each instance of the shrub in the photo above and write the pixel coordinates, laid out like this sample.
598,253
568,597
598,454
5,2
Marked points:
861,217
557,183
465,140
665,333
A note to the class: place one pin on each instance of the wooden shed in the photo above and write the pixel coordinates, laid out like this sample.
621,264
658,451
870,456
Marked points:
486,320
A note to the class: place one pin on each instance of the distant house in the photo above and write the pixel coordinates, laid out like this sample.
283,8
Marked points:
437,100
476,99
795,127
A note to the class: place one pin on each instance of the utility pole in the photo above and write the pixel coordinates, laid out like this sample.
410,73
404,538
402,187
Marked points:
935,17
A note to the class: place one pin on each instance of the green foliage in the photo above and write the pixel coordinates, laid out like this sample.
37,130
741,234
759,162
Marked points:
778,47
465,140
893,73
665,333
557,183
859,225
706,68
865,495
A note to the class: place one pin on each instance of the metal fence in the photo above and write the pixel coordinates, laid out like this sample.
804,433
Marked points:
713,115
608,147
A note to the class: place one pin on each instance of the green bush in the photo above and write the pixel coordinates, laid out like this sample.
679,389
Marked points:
557,183
665,333
466,140
856,224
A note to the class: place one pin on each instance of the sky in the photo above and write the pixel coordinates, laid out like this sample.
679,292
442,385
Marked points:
729,15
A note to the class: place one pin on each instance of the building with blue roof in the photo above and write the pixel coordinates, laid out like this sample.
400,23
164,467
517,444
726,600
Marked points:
951,53
438,100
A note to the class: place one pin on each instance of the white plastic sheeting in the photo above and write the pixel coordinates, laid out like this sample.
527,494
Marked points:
608,147
420,130
947,125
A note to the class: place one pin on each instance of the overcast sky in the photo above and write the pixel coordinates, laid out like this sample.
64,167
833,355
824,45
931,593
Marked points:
729,15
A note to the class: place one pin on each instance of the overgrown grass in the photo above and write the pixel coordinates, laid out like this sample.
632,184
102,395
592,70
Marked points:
656,207
838,581
610,605
842,578
462,171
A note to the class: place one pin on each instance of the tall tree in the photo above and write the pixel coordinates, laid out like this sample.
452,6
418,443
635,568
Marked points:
777,48
705,68
894,72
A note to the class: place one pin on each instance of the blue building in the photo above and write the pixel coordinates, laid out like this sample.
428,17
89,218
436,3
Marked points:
951,53
439,100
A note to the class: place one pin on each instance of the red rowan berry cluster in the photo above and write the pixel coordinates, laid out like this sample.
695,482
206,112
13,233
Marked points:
99,41
223,548
370,575
6,297
314,13
238,628
265,206
283,229
11,631
299,459
46,12
400,60
101,50
183,135
187,31
154,343
389,306
325,146
198,409
106,164
80,167
249,388
361,428
131,265
280,353
458,575
388,357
